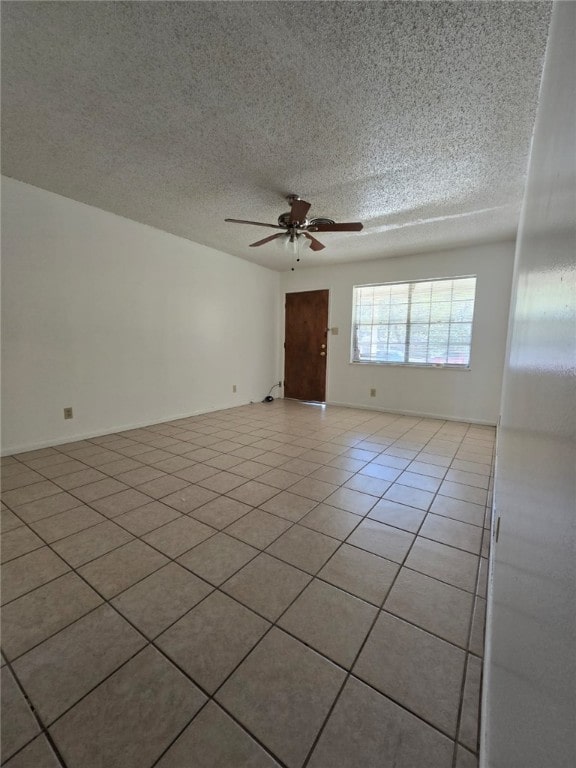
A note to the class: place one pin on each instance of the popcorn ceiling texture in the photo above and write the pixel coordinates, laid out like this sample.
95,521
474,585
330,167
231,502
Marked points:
413,117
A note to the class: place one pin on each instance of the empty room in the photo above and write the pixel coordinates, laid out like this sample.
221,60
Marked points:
288,352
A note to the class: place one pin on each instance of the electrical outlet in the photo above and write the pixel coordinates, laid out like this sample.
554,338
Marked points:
233,387
68,413
372,393
279,383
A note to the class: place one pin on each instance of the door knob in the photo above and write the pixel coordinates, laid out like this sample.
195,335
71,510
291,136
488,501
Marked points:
322,354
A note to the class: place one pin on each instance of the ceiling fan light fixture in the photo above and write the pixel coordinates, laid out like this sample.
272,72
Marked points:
287,245
295,225
297,243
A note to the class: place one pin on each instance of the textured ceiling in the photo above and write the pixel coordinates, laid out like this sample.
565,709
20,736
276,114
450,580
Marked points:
412,117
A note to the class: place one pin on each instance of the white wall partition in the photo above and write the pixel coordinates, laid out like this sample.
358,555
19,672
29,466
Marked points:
530,674
472,395
126,324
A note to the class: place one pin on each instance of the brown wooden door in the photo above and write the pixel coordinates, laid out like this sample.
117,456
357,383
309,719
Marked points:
305,347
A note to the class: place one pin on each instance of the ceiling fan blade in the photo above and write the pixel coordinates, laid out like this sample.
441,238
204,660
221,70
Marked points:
315,245
351,226
266,240
256,223
298,211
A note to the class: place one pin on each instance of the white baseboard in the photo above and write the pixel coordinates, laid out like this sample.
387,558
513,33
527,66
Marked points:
36,445
419,414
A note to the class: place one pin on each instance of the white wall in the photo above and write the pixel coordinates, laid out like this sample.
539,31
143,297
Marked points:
447,393
530,675
127,324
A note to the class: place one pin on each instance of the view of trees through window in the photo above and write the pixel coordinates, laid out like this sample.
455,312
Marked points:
428,322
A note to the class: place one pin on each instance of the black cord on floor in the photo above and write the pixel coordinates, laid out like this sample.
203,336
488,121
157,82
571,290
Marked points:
269,398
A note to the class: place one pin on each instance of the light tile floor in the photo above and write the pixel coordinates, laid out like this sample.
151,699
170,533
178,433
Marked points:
275,584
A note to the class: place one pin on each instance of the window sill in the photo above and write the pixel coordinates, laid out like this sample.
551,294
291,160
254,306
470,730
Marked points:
430,367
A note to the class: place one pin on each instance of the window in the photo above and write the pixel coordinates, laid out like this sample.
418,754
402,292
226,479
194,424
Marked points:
428,322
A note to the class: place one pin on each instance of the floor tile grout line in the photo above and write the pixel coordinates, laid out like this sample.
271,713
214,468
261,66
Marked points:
223,454
137,488
210,700
366,516
17,657
360,519
149,642
381,608
113,549
190,514
96,468
396,615
43,731
173,561
111,519
342,542
223,530
465,676
216,531
426,512
464,679
275,624
38,586
357,656
396,417
90,505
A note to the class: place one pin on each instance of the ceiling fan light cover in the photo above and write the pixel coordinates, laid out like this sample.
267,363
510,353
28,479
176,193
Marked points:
292,246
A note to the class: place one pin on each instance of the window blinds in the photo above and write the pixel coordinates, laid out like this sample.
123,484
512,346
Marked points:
428,322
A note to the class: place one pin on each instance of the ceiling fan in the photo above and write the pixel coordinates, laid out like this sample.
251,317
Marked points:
294,223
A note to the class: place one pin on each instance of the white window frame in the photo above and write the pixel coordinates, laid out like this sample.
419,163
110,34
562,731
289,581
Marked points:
405,362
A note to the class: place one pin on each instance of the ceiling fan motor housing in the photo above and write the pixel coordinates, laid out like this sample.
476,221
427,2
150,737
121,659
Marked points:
320,220
284,221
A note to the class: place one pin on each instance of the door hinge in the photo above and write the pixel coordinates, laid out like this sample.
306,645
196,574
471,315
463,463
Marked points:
497,534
